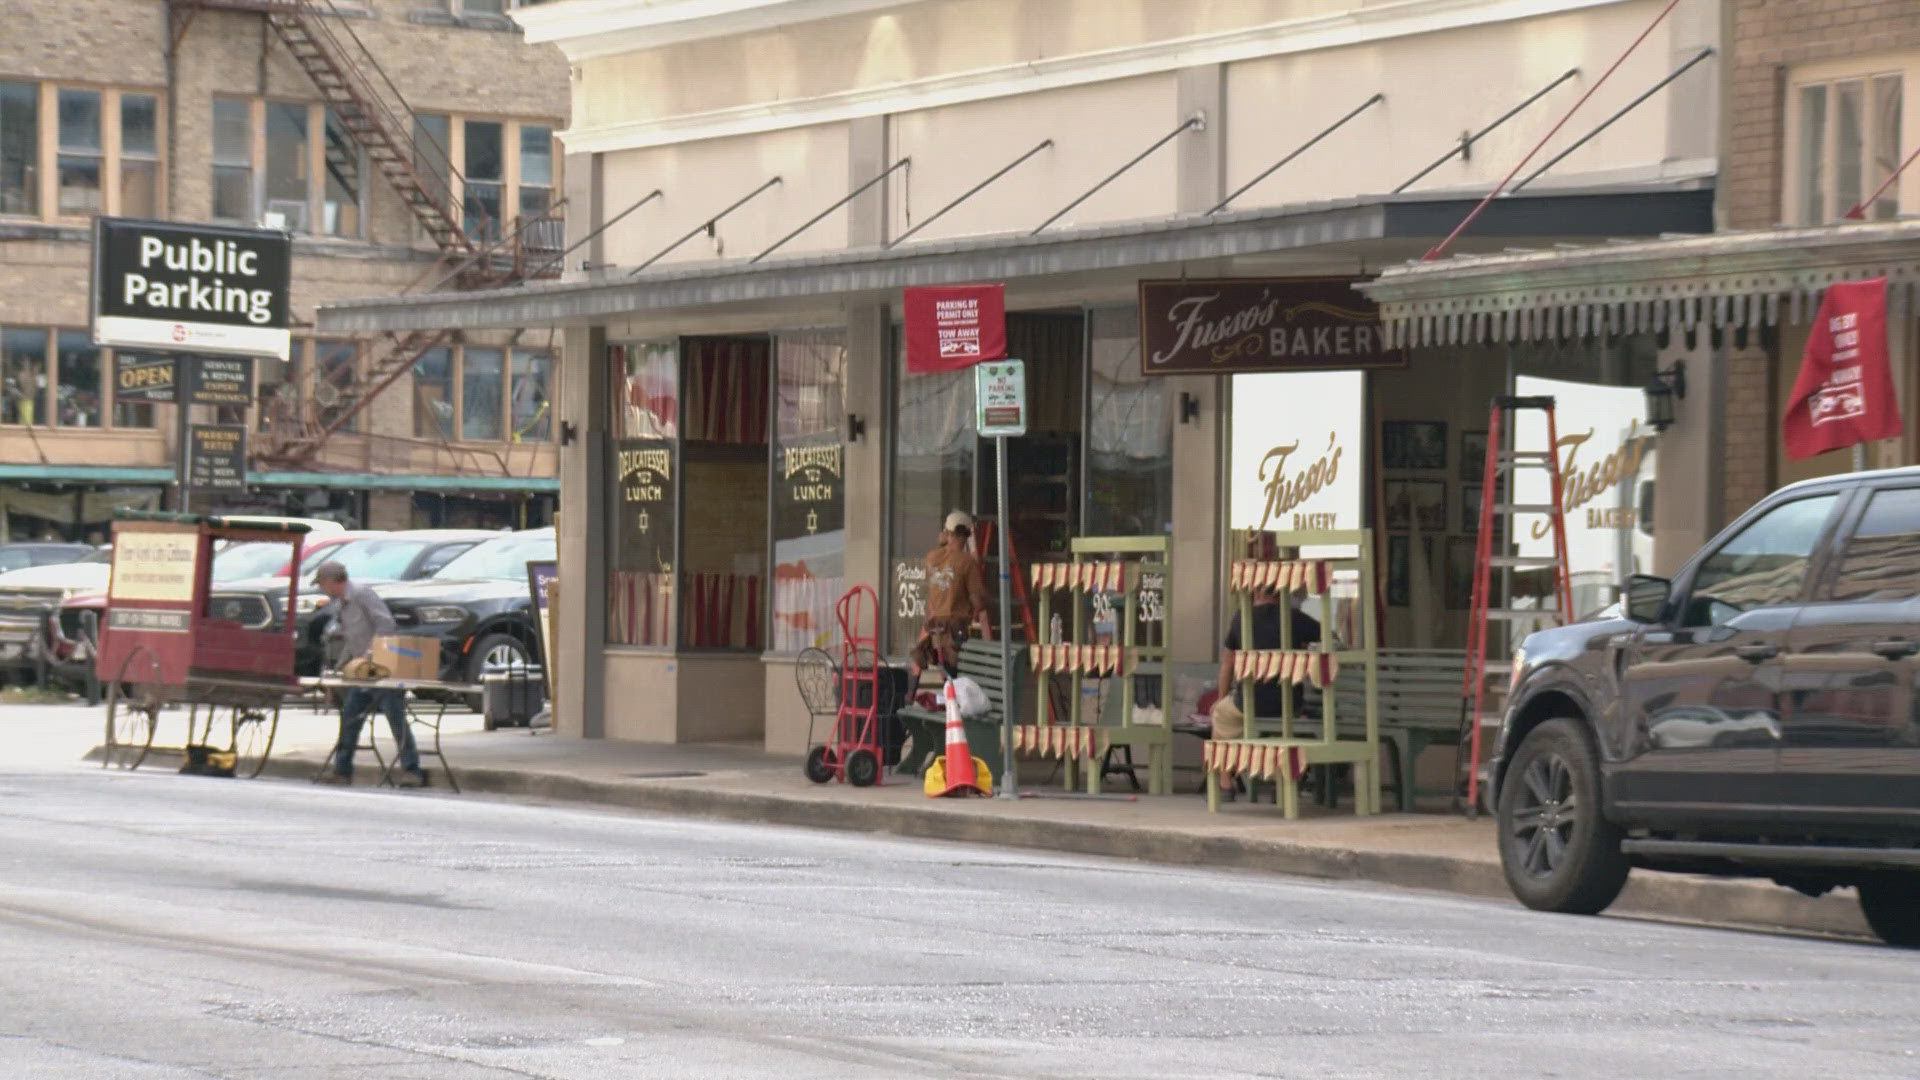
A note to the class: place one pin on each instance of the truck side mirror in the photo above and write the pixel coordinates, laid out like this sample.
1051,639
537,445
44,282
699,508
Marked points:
1647,597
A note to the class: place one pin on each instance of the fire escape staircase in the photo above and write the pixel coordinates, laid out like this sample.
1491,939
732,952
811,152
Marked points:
371,109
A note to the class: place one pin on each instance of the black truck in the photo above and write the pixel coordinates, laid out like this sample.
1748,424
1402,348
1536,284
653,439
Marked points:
1757,715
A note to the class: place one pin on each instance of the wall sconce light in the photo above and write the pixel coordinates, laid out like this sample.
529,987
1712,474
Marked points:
1665,388
856,427
568,433
1189,407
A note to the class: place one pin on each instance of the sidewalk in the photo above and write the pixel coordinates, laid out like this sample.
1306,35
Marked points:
739,783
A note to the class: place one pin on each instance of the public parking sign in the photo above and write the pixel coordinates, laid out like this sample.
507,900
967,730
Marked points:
1000,396
191,288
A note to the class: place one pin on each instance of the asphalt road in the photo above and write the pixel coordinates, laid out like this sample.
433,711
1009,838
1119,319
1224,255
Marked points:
158,926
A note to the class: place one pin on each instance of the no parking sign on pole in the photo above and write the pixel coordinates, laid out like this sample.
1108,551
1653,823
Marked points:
1000,401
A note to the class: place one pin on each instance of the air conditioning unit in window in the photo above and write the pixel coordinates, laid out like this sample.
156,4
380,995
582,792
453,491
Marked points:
287,214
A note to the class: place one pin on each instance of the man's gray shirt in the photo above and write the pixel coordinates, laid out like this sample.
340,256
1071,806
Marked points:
361,617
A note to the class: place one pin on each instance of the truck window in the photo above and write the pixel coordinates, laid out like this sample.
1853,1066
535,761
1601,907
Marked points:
1882,557
1763,565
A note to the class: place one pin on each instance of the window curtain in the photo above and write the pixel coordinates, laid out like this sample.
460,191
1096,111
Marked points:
809,488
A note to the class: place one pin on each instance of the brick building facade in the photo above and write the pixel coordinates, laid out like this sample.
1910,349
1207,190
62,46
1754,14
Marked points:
202,112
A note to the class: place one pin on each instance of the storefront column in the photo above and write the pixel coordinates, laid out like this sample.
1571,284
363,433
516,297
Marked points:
1199,511
580,530
868,379
1688,499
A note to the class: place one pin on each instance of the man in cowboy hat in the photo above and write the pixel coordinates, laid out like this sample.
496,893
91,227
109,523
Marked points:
956,598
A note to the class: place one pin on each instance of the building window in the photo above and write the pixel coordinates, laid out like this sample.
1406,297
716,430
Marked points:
433,394
345,165
485,174
1848,144
433,154
1129,433
232,160
532,405
139,155
81,403
81,150
481,374
288,152
19,149
335,369
23,367
536,169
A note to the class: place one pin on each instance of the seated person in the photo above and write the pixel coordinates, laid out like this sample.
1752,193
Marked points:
1267,702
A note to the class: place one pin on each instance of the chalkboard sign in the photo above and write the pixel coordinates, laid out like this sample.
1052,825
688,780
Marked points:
646,499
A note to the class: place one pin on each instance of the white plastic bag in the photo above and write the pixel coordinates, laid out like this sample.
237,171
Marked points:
973,700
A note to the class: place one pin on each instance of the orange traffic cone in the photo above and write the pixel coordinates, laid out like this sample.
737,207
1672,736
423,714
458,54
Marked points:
961,777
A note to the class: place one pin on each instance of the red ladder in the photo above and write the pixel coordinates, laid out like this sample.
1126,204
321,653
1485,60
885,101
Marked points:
1498,493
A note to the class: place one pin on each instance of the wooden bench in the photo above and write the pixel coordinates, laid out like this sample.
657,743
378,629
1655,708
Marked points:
927,728
1419,707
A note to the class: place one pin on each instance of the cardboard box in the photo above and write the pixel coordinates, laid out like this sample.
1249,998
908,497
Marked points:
407,657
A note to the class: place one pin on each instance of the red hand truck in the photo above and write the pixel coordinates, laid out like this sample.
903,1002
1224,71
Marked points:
854,752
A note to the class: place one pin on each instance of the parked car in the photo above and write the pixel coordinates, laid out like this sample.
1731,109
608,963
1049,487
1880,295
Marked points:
478,605
20,555
272,558
408,555
26,597
1756,715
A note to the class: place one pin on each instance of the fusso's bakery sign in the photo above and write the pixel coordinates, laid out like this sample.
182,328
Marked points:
1230,325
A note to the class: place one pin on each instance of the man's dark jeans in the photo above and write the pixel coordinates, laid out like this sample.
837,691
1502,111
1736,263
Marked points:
353,712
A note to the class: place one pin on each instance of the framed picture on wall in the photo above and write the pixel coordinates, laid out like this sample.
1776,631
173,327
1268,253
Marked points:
1473,455
1470,508
1461,553
1413,444
1422,499
1399,571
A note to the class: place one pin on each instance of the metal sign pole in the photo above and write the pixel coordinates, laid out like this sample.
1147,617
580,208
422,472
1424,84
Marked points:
180,433
1010,712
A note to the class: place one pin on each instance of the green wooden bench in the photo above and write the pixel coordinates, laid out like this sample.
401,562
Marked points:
1419,707
927,728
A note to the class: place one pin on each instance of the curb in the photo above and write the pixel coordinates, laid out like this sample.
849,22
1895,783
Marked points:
1667,897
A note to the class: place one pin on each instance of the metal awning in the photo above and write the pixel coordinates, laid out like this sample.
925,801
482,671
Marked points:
1138,248
1736,280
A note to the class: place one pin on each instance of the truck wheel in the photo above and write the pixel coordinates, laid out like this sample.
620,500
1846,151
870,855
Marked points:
494,649
1891,903
1559,851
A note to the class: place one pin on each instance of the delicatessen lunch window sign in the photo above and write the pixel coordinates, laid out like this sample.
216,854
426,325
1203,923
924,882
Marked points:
191,288
1240,325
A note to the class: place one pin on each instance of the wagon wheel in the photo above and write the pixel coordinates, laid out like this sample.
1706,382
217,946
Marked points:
133,711
253,731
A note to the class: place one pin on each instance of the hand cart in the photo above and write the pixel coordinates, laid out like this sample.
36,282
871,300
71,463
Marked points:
172,638
854,752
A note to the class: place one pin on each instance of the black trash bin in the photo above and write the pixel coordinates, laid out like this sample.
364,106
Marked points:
894,684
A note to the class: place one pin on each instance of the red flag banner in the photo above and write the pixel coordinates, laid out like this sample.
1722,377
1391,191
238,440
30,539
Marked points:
1845,394
950,327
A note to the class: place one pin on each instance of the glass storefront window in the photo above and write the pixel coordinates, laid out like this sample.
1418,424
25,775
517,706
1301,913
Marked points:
1129,433
934,446
23,367
644,472
724,396
809,488
532,405
481,373
79,372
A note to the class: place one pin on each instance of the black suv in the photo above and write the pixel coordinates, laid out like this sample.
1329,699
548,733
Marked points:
1756,716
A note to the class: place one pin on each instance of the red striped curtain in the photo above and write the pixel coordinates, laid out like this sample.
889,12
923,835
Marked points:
726,392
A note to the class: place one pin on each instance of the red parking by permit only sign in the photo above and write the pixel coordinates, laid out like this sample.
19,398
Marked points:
949,327
1000,395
